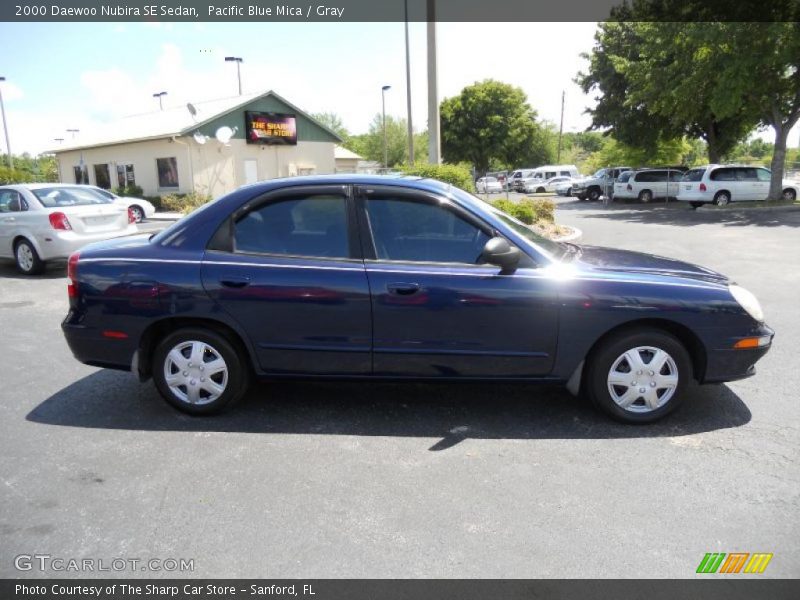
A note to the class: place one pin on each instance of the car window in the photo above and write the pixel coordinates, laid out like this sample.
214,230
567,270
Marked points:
55,197
311,226
10,201
764,175
723,175
418,231
624,176
600,173
693,175
746,174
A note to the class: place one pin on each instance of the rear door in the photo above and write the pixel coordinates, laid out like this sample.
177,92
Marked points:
747,185
287,269
436,310
10,207
763,178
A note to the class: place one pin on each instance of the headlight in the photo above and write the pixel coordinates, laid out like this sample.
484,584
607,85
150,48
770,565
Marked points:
747,301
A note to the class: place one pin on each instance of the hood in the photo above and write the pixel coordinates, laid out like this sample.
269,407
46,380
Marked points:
627,261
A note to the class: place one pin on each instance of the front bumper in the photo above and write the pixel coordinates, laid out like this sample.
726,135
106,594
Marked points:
728,364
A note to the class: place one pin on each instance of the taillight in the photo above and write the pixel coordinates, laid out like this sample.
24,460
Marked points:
72,274
131,216
60,221
703,187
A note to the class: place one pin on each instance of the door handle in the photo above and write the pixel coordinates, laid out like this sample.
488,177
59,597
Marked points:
403,289
235,282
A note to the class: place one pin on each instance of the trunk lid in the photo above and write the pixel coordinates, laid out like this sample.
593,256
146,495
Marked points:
95,218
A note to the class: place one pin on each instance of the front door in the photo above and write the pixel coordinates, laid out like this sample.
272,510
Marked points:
436,310
289,274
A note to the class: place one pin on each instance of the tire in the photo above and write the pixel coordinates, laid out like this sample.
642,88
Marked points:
192,389
594,194
722,198
789,194
27,259
628,403
696,204
645,196
138,213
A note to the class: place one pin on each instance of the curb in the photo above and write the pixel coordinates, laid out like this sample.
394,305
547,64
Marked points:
570,237
787,208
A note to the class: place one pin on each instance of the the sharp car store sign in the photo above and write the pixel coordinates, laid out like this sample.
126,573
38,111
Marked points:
270,128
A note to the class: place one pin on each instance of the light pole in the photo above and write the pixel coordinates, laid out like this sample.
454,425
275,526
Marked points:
408,95
434,143
238,60
160,95
5,126
59,140
385,147
73,132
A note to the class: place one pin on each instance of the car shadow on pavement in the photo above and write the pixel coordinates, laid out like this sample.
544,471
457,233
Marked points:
452,412
54,270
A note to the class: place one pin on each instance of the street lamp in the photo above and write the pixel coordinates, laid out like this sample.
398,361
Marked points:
385,147
160,95
73,132
238,60
5,126
59,140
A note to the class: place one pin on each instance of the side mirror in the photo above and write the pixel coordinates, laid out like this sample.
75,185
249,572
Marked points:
498,251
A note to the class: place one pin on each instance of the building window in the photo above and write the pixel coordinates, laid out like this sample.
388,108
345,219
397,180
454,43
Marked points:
102,177
125,176
81,174
167,172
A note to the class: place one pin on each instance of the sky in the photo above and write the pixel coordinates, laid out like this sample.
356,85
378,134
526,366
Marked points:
83,76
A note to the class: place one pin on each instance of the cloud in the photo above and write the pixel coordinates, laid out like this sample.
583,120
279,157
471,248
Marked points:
11,91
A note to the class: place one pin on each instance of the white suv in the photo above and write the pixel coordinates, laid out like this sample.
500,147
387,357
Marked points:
647,184
722,184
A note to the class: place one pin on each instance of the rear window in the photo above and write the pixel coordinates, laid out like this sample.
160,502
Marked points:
624,176
55,197
693,175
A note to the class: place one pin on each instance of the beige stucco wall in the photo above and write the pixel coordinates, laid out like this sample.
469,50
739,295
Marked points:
209,168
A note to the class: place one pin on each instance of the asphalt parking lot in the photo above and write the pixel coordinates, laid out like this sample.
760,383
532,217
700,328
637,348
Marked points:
408,480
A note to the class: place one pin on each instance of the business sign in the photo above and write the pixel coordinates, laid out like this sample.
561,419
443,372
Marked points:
270,128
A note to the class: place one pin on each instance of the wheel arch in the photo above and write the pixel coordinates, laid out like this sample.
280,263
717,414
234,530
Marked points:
723,191
156,331
694,346
31,239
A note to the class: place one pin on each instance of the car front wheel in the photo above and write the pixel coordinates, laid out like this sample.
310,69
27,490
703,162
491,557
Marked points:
27,259
638,376
199,372
789,194
594,194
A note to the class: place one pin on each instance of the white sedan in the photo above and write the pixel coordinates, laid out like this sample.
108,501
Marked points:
540,186
46,221
141,208
489,185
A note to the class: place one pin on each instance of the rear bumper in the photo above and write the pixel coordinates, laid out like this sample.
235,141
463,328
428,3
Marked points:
63,243
728,364
91,347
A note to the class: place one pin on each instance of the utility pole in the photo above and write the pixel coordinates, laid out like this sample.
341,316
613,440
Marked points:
160,95
238,60
5,126
408,96
561,128
434,143
385,145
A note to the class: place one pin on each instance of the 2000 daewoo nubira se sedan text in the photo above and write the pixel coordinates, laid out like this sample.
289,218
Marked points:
399,278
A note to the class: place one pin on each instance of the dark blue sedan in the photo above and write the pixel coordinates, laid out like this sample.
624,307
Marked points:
364,277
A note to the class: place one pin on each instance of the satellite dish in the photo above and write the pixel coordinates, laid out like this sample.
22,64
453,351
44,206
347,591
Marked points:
200,138
224,134
192,110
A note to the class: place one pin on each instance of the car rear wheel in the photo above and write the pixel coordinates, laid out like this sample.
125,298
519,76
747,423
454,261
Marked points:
27,259
645,196
638,376
137,212
722,199
789,194
198,371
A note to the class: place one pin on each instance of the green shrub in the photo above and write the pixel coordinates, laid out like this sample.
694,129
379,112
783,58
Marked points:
134,191
530,211
184,203
456,175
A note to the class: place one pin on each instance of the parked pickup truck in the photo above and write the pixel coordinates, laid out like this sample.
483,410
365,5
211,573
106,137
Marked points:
598,184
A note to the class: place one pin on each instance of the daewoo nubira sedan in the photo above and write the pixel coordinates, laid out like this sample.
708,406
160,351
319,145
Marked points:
365,277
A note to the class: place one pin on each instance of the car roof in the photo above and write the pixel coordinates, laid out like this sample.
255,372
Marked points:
412,181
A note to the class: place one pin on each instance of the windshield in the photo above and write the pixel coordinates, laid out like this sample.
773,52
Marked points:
104,193
600,173
55,197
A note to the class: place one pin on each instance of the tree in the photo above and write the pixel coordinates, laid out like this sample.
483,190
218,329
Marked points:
370,144
333,122
651,89
491,124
